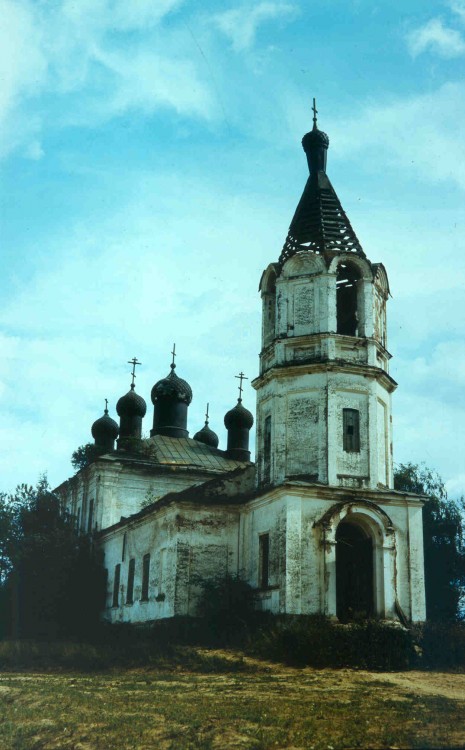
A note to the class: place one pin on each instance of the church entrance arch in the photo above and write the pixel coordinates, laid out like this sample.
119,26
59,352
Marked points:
359,561
354,572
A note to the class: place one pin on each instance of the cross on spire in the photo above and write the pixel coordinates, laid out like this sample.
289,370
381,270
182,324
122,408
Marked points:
315,112
134,362
173,365
206,415
241,377
106,406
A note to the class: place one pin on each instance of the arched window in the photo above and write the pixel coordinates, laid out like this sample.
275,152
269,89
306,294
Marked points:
268,288
346,299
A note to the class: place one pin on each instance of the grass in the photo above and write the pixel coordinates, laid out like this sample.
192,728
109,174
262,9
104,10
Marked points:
219,699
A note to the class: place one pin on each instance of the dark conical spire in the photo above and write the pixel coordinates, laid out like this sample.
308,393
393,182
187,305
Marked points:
320,224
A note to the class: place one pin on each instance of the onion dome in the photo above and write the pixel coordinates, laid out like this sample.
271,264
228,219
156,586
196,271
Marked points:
238,422
105,431
206,435
172,387
238,418
131,404
315,144
171,397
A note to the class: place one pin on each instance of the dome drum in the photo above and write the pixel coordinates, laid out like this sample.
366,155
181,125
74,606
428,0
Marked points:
170,418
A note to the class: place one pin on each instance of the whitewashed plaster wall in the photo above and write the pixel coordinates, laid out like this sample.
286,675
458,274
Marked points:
120,490
302,560
306,409
186,545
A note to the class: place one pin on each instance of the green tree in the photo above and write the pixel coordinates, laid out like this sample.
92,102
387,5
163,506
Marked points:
84,455
52,578
444,540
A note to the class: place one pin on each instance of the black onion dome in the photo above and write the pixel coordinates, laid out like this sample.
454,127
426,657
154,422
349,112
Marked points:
207,436
315,138
105,428
131,405
238,417
172,387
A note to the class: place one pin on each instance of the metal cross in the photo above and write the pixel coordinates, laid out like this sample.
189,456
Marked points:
106,406
241,377
206,415
134,361
315,112
174,355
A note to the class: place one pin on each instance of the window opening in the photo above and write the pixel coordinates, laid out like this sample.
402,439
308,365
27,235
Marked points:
346,300
264,560
123,549
90,519
267,449
130,588
78,519
116,582
145,577
351,430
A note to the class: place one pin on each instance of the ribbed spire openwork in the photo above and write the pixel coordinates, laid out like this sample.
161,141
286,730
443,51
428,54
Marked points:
320,223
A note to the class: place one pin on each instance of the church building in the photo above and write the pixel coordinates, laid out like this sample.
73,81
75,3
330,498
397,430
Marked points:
314,525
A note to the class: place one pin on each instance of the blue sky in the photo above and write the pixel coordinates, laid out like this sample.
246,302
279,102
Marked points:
150,166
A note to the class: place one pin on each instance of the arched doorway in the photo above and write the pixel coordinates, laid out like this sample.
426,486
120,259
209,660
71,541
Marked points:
354,572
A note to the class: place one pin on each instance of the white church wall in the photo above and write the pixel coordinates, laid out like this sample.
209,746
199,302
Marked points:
186,546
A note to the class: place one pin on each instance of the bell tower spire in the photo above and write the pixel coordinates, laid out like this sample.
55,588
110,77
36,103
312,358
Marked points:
324,390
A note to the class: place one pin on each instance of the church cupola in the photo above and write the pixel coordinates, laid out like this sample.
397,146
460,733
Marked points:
131,409
320,224
171,397
105,431
206,435
238,422
315,144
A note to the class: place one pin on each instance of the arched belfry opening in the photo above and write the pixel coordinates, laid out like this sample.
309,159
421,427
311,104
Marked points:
268,288
355,590
347,286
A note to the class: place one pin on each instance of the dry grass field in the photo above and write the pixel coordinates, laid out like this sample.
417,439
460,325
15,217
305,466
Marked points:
231,701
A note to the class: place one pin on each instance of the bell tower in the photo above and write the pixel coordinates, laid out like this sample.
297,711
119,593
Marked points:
324,389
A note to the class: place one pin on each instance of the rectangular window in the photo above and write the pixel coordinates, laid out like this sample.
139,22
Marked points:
78,520
267,449
145,577
105,587
90,519
263,560
116,582
351,430
123,549
161,581
130,588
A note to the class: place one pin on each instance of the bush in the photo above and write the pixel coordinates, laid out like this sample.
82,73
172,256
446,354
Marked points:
227,610
442,644
317,642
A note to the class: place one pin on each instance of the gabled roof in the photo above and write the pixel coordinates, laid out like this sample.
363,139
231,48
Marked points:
320,224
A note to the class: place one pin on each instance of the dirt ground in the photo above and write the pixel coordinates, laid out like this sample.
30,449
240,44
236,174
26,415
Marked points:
242,703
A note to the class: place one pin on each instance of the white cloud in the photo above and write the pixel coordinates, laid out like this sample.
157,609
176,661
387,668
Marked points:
435,37
73,47
420,134
458,7
241,24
